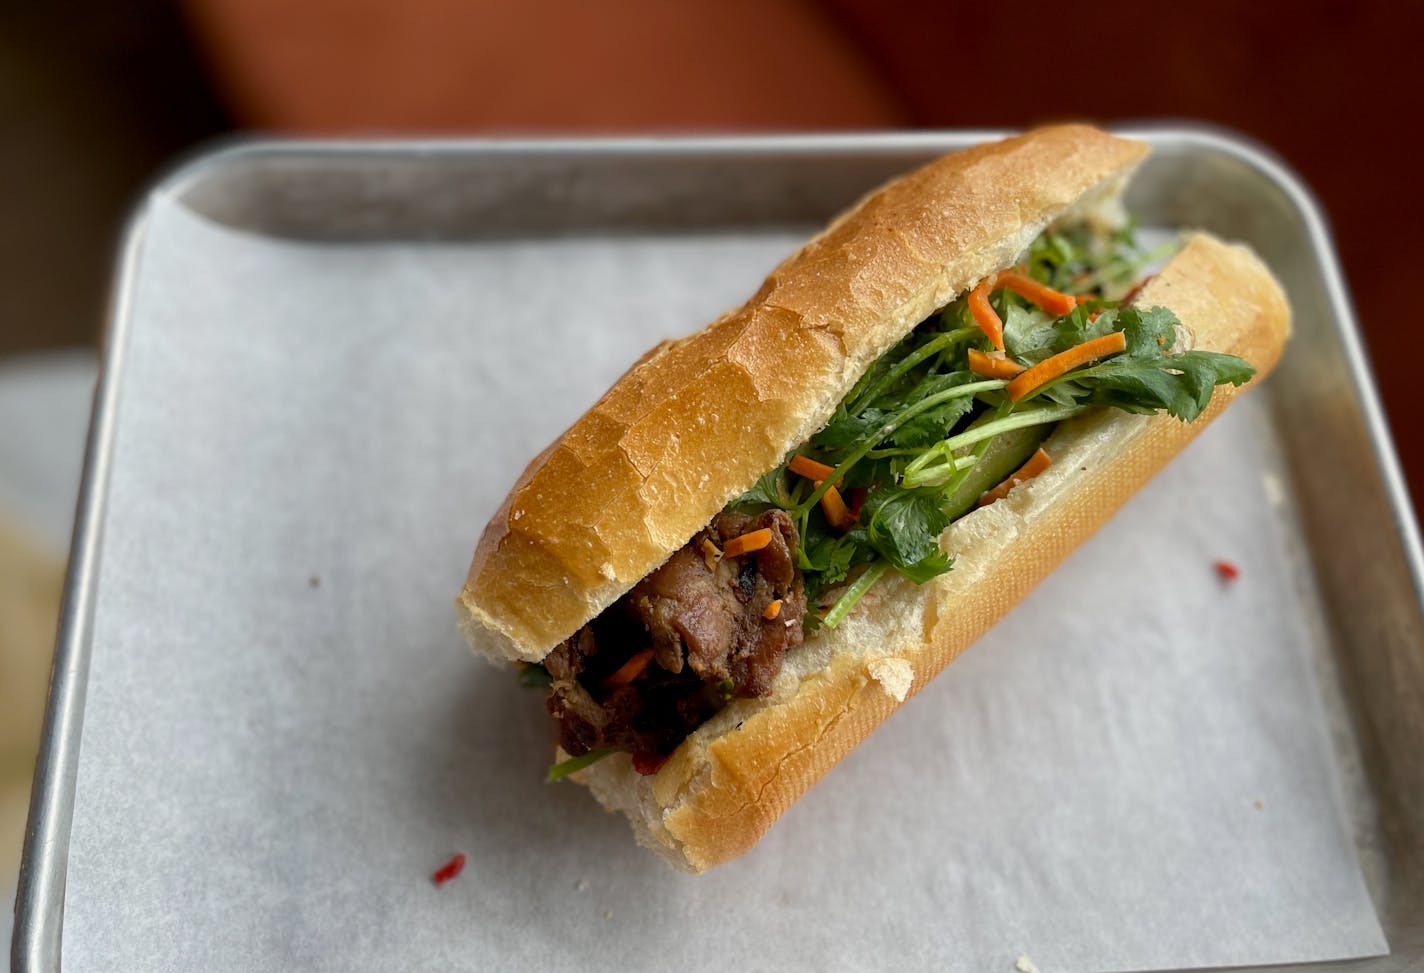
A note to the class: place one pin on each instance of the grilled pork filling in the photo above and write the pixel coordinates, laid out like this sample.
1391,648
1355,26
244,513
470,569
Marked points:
711,625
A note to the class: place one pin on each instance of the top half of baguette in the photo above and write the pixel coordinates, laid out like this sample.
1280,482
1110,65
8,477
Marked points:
697,421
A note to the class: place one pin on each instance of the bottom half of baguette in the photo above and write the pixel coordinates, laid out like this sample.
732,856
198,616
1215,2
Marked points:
733,777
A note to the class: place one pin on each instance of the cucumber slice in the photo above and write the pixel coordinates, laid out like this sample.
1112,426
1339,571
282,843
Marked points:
1005,454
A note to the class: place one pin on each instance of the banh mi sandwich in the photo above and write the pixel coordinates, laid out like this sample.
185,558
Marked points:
768,535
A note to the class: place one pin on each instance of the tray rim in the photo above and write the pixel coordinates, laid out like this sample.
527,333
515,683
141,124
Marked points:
39,905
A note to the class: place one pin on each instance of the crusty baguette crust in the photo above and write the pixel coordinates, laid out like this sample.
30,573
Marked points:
729,781
697,421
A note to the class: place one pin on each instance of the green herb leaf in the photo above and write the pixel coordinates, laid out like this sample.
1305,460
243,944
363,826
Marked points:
904,527
1147,377
832,557
532,675
844,430
770,491
1150,333
1065,392
1078,326
826,553
932,425
874,375
573,765
1028,334
1181,384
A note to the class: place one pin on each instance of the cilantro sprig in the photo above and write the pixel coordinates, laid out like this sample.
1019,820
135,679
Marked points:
920,437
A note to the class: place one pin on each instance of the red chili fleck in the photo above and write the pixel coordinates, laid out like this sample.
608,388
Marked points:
855,498
1227,570
648,764
449,870
1131,295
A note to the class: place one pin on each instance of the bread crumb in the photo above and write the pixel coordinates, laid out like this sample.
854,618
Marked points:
314,581
1260,804
894,674
1025,965
608,914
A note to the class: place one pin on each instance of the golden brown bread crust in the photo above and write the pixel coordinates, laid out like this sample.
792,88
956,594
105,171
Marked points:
725,786
699,420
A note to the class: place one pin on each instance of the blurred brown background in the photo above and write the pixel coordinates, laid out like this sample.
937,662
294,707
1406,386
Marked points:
94,97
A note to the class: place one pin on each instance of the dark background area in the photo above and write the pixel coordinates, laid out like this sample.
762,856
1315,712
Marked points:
96,97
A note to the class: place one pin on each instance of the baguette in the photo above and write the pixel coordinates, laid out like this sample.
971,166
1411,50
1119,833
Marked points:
696,422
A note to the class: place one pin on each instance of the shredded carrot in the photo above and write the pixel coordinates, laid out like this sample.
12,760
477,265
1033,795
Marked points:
1035,465
710,554
772,610
631,669
746,543
992,365
837,514
1066,361
809,468
984,315
1054,302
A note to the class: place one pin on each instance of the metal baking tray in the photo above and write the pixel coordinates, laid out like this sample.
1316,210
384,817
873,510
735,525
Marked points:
1353,508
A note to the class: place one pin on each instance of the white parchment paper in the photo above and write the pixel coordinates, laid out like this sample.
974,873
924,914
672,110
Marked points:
284,735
